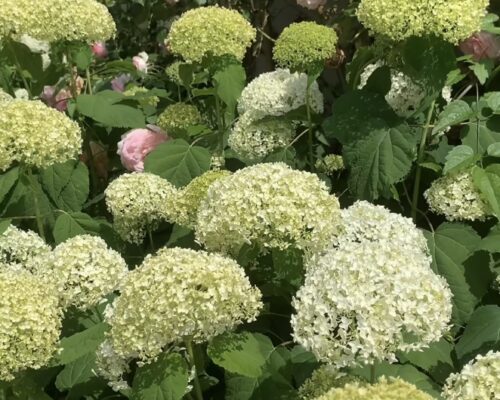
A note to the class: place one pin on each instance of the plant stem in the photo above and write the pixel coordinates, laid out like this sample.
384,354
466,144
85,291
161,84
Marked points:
89,82
420,158
310,134
220,125
192,360
19,69
372,374
39,220
151,241
72,81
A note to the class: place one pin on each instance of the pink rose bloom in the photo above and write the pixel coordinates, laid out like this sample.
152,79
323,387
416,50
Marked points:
58,100
118,84
140,62
99,50
481,45
137,144
311,4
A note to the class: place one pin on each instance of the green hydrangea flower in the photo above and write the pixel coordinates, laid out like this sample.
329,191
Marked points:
179,116
143,99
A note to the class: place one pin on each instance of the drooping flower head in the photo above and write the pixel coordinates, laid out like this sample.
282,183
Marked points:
330,164
364,301
270,205
453,20
136,145
322,380
139,201
210,31
179,116
30,323
305,46
478,380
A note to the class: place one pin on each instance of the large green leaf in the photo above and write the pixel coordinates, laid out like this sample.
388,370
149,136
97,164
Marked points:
379,161
480,134
454,113
241,353
80,344
450,245
164,379
76,372
481,334
178,161
491,242
7,182
229,83
488,182
67,184
458,158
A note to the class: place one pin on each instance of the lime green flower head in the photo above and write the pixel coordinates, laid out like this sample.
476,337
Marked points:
305,45
172,72
210,31
322,380
452,20
179,116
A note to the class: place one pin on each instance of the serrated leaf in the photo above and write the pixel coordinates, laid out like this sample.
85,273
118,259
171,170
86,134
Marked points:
76,372
482,70
456,112
450,245
285,155
178,161
165,379
7,182
69,225
229,83
488,182
81,344
241,353
491,242
458,158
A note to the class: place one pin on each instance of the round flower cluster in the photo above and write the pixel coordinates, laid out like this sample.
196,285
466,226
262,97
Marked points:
405,95
322,380
252,139
189,198
176,295
30,325
22,250
305,45
268,205
84,270
36,135
394,389
210,31
456,197
363,302
179,116
330,164
4,96
138,202
172,72
478,380
279,92
57,20
142,97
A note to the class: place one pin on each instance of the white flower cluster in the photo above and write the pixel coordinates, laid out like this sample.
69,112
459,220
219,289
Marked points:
270,205
175,295
364,301
456,197
4,96
330,164
111,366
22,250
84,270
478,380
139,201
254,139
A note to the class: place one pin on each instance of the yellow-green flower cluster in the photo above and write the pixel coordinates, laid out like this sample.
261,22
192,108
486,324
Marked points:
322,380
478,380
30,323
210,31
189,198
252,139
394,389
172,72
179,116
456,197
4,96
22,250
270,205
57,20
138,202
84,270
330,164
179,294
36,135
305,45
143,99
453,20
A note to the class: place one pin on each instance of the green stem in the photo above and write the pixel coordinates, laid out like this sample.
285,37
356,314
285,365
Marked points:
372,374
39,220
220,124
420,158
310,134
19,69
89,82
197,387
151,241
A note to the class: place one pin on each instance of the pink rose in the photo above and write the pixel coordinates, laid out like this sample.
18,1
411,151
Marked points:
137,144
58,100
481,45
311,4
99,50
118,84
140,62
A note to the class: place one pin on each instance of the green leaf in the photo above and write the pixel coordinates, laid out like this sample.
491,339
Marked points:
363,57
480,134
450,245
380,160
493,101
76,372
494,150
165,379
380,81
7,182
482,70
178,161
4,224
285,155
67,184
81,344
458,158
241,353
69,225
491,242
456,112
481,334
229,83
29,62
488,182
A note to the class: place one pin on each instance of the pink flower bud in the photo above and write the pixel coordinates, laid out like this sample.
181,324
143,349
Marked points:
99,50
140,62
136,145
118,84
311,4
481,45
58,100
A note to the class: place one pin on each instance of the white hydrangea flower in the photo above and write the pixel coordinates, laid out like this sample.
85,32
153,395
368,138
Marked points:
22,250
4,96
363,302
139,201
85,270
456,197
279,92
254,139
270,205
111,366
478,380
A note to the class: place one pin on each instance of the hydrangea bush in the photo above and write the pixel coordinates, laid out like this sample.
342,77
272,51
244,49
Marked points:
248,200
